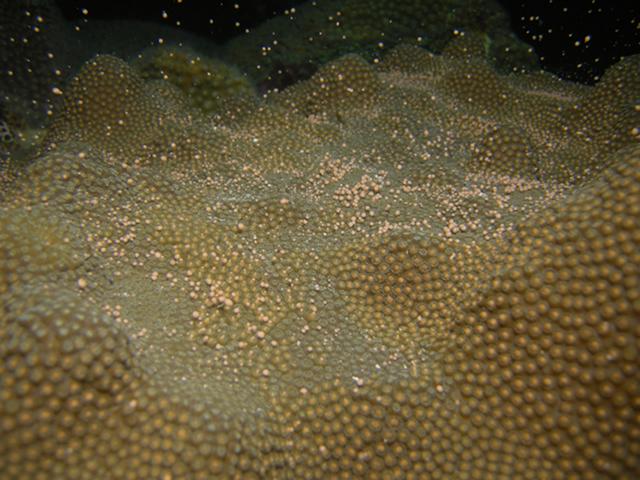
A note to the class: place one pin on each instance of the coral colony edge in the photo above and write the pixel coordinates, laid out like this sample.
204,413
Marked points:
413,266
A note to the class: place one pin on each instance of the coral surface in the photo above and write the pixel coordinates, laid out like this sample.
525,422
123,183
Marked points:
289,47
419,268
205,81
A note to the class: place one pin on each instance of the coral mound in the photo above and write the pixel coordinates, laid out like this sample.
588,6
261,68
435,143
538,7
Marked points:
421,268
206,82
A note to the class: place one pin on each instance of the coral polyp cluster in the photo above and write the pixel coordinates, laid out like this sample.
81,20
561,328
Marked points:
417,268
204,81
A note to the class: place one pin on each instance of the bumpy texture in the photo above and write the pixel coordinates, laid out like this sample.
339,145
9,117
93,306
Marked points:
290,47
205,81
416,269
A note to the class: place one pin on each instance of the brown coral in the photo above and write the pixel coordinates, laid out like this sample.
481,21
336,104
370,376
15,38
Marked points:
306,37
364,276
206,82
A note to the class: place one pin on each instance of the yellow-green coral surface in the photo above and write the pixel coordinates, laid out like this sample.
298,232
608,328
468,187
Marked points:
414,269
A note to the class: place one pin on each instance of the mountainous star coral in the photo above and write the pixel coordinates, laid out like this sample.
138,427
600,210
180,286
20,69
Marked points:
416,269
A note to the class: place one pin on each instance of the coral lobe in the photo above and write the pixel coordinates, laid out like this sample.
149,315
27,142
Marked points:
417,269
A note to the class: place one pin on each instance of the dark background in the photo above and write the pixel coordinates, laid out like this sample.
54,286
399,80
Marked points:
613,27
555,28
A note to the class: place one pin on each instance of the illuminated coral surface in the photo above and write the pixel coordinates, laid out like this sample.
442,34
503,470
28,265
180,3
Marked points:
419,268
